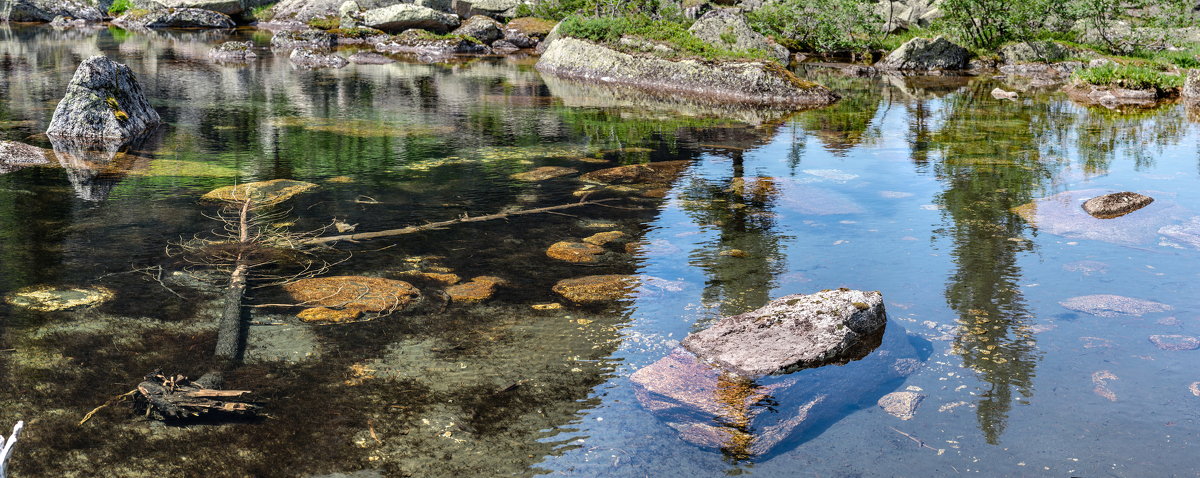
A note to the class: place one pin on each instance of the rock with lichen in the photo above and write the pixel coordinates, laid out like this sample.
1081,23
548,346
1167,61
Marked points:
1115,205
543,173
263,193
104,102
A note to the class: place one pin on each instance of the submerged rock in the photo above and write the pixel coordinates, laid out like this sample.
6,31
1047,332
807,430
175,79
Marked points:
902,405
365,294
543,173
660,172
1115,205
602,238
233,51
369,58
924,54
1186,234
574,251
477,290
793,332
103,103
309,58
51,299
727,28
745,82
327,315
1175,342
595,289
264,193
16,155
1108,305
744,417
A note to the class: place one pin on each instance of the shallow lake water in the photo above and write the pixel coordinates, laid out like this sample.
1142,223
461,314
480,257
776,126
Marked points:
913,187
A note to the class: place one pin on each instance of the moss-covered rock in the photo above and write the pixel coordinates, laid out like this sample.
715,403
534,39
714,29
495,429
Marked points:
595,289
574,251
262,192
50,299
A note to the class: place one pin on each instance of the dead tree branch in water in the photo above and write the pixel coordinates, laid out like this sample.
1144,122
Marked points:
6,446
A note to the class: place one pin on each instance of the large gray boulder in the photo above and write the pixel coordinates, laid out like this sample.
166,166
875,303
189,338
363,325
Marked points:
46,10
103,103
746,418
227,7
317,39
482,28
498,9
924,54
176,18
400,17
756,83
792,332
720,26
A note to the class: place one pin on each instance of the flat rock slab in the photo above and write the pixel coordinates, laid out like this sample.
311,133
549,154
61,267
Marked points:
1175,342
745,418
15,155
574,251
1108,305
661,172
543,173
263,193
794,332
596,289
1115,205
1062,214
902,405
51,299
103,103
369,294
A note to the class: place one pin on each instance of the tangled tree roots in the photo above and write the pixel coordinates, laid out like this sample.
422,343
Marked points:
165,397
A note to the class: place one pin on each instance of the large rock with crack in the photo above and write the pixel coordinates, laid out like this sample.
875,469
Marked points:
924,54
744,82
793,332
103,102
742,417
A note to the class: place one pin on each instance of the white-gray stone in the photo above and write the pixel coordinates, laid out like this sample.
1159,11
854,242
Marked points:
103,102
403,16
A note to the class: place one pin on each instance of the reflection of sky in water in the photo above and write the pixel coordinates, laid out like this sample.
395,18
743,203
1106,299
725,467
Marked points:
903,188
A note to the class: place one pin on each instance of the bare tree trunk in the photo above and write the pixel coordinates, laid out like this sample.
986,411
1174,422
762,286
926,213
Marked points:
230,331
6,447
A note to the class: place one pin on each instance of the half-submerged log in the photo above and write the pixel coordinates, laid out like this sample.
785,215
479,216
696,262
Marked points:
164,397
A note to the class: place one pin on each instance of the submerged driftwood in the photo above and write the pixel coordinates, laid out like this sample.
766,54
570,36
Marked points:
174,397
6,447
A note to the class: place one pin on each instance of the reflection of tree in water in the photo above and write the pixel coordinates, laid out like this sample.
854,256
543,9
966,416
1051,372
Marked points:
1103,134
847,123
991,162
747,256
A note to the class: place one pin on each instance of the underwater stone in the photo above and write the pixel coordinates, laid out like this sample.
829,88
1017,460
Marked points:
15,155
264,193
1108,305
1062,215
103,102
602,238
369,58
1187,233
477,290
1115,205
1000,94
793,332
237,51
902,405
543,173
574,251
593,289
1175,342
325,314
50,299
368,294
652,173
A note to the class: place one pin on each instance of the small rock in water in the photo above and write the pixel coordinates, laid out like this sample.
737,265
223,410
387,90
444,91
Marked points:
1000,94
327,315
103,102
1175,342
593,289
794,332
1195,388
479,289
544,173
550,306
233,51
602,238
49,299
574,251
308,58
902,405
652,173
1108,305
1169,321
734,253
1115,205
264,193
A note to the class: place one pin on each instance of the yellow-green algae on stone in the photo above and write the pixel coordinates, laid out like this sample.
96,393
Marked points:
264,193
50,299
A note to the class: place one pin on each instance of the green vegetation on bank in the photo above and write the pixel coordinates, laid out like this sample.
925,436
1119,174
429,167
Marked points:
119,6
671,34
1131,77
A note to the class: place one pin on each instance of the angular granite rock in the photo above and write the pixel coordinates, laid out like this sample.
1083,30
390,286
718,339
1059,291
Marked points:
924,54
482,28
420,42
793,332
103,102
315,39
46,10
176,18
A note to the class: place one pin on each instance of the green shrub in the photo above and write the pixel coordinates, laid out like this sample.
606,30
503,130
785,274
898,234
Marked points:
325,23
609,30
819,25
119,6
263,12
1130,76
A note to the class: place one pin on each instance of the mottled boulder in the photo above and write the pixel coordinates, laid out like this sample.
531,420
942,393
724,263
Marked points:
305,10
720,26
364,294
403,16
1115,205
924,54
482,28
46,10
602,238
504,46
63,23
1109,305
762,83
1111,97
227,7
176,18
422,43
746,418
103,102
264,193
233,51
494,8
595,289
793,332
660,172
310,58
313,39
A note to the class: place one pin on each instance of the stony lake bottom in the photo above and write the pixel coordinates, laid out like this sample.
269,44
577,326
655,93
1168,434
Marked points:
913,187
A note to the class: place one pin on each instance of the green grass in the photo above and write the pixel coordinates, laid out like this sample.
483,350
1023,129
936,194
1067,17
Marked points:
119,6
263,12
1130,76
609,30
325,23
